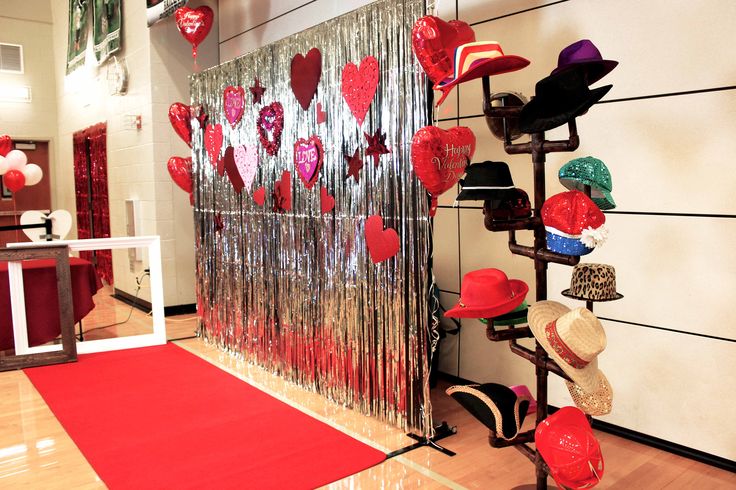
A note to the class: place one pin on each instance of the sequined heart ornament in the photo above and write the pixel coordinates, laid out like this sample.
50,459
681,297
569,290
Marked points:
326,201
305,74
247,160
213,143
234,104
359,86
308,157
439,158
382,244
270,125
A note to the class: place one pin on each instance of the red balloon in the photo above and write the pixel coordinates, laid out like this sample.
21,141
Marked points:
194,24
180,170
440,157
14,180
180,118
6,144
434,41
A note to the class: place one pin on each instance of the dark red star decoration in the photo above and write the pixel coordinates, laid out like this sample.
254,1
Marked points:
355,164
219,225
257,91
376,145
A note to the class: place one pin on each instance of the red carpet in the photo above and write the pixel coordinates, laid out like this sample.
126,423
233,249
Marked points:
160,417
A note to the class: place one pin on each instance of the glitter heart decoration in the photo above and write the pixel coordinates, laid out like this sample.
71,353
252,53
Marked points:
234,104
270,125
359,86
213,143
308,157
247,160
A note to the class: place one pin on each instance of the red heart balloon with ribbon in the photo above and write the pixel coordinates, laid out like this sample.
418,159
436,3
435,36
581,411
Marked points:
440,157
6,145
180,118
180,170
194,24
434,41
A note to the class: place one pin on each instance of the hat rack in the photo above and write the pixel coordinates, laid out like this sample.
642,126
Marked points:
537,147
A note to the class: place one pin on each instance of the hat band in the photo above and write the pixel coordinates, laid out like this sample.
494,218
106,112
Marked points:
489,187
561,348
463,305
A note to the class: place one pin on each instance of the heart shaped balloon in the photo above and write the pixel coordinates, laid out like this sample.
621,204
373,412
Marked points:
359,86
194,24
308,157
234,104
382,244
180,118
270,125
6,144
305,74
180,170
434,41
440,157
61,224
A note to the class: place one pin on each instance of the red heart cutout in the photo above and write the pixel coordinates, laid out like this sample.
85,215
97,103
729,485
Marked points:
305,74
282,193
6,145
180,116
308,157
326,201
434,41
359,86
233,104
259,196
270,124
382,244
439,158
213,144
231,169
180,170
321,115
194,24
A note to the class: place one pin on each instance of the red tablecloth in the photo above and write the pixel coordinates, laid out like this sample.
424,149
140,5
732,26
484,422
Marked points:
42,300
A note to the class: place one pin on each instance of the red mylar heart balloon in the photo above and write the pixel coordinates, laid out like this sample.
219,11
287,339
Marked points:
434,41
180,170
382,244
194,24
305,74
6,144
359,86
180,117
439,158
14,180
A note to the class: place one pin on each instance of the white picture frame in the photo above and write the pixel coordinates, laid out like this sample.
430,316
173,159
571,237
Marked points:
17,296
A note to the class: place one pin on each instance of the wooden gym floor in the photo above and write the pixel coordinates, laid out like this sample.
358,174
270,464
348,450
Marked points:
35,452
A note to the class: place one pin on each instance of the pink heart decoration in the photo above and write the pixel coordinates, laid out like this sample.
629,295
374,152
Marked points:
246,159
270,124
305,74
382,244
259,196
308,157
359,86
326,201
234,104
213,143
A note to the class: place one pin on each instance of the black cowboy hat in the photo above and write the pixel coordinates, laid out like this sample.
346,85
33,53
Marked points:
486,180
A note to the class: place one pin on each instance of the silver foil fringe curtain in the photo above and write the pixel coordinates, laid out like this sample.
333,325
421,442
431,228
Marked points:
296,292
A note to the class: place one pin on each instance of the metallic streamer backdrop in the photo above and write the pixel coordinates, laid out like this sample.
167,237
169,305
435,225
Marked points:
297,292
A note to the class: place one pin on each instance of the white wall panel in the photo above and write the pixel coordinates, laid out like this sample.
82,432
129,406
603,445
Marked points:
445,256
236,16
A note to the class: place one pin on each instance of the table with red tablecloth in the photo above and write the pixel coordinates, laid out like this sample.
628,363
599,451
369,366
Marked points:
42,300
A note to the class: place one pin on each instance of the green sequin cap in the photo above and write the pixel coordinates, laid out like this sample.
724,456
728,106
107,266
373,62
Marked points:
580,172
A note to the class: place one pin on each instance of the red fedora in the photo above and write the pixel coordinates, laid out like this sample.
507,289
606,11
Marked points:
568,446
487,293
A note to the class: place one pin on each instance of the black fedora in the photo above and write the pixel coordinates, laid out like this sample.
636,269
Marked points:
495,405
558,99
486,180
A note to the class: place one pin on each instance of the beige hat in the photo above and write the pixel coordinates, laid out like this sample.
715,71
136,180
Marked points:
596,403
573,338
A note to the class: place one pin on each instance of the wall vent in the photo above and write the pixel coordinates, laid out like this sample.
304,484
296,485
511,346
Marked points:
11,58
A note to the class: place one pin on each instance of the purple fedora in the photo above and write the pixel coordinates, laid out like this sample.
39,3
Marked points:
584,55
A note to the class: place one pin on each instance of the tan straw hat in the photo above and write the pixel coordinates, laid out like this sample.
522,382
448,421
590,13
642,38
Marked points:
595,403
573,338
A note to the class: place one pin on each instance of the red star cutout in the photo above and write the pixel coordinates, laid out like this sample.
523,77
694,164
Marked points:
376,145
219,225
257,91
354,165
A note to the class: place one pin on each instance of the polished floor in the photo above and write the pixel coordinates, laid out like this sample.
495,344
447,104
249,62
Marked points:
35,452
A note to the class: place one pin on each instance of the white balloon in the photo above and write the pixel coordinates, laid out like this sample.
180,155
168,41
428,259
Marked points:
16,159
33,173
3,166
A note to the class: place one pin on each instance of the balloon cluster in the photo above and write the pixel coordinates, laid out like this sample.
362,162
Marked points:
15,169
182,117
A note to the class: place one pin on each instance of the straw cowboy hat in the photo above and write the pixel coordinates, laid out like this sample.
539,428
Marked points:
573,338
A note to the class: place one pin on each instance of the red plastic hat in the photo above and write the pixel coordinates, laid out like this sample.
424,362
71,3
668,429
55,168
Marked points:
568,446
487,293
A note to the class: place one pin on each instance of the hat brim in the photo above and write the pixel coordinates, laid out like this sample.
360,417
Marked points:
567,246
518,288
567,293
535,117
595,403
483,194
601,197
489,67
540,314
495,406
596,69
